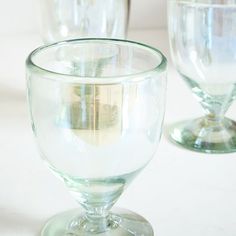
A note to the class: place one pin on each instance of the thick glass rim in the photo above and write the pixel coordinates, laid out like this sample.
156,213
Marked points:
67,78
213,3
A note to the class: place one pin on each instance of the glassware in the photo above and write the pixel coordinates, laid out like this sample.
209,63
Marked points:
203,45
70,19
97,108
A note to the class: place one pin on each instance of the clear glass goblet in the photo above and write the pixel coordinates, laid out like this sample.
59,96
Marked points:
97,108
70,19
203,44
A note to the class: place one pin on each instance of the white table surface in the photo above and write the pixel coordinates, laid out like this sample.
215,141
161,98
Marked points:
181,193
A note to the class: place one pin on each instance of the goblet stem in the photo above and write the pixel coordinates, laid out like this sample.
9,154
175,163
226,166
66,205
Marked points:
96,197
95,220
214,120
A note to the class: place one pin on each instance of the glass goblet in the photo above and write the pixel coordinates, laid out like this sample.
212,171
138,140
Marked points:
97,108
203,45
70,19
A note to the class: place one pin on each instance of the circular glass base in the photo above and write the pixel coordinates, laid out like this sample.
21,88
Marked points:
119,223
207,136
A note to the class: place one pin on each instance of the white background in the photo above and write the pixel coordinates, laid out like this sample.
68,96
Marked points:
21,15
181,193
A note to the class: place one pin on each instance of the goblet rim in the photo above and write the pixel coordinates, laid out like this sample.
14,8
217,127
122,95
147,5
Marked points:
70,78
199,3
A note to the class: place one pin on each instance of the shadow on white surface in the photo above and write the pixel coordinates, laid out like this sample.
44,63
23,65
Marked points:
16,223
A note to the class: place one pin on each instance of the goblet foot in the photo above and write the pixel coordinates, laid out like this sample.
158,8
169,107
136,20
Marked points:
204,135
119,223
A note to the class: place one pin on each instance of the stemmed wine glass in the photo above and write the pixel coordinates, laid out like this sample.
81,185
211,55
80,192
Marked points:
203,45
97,108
